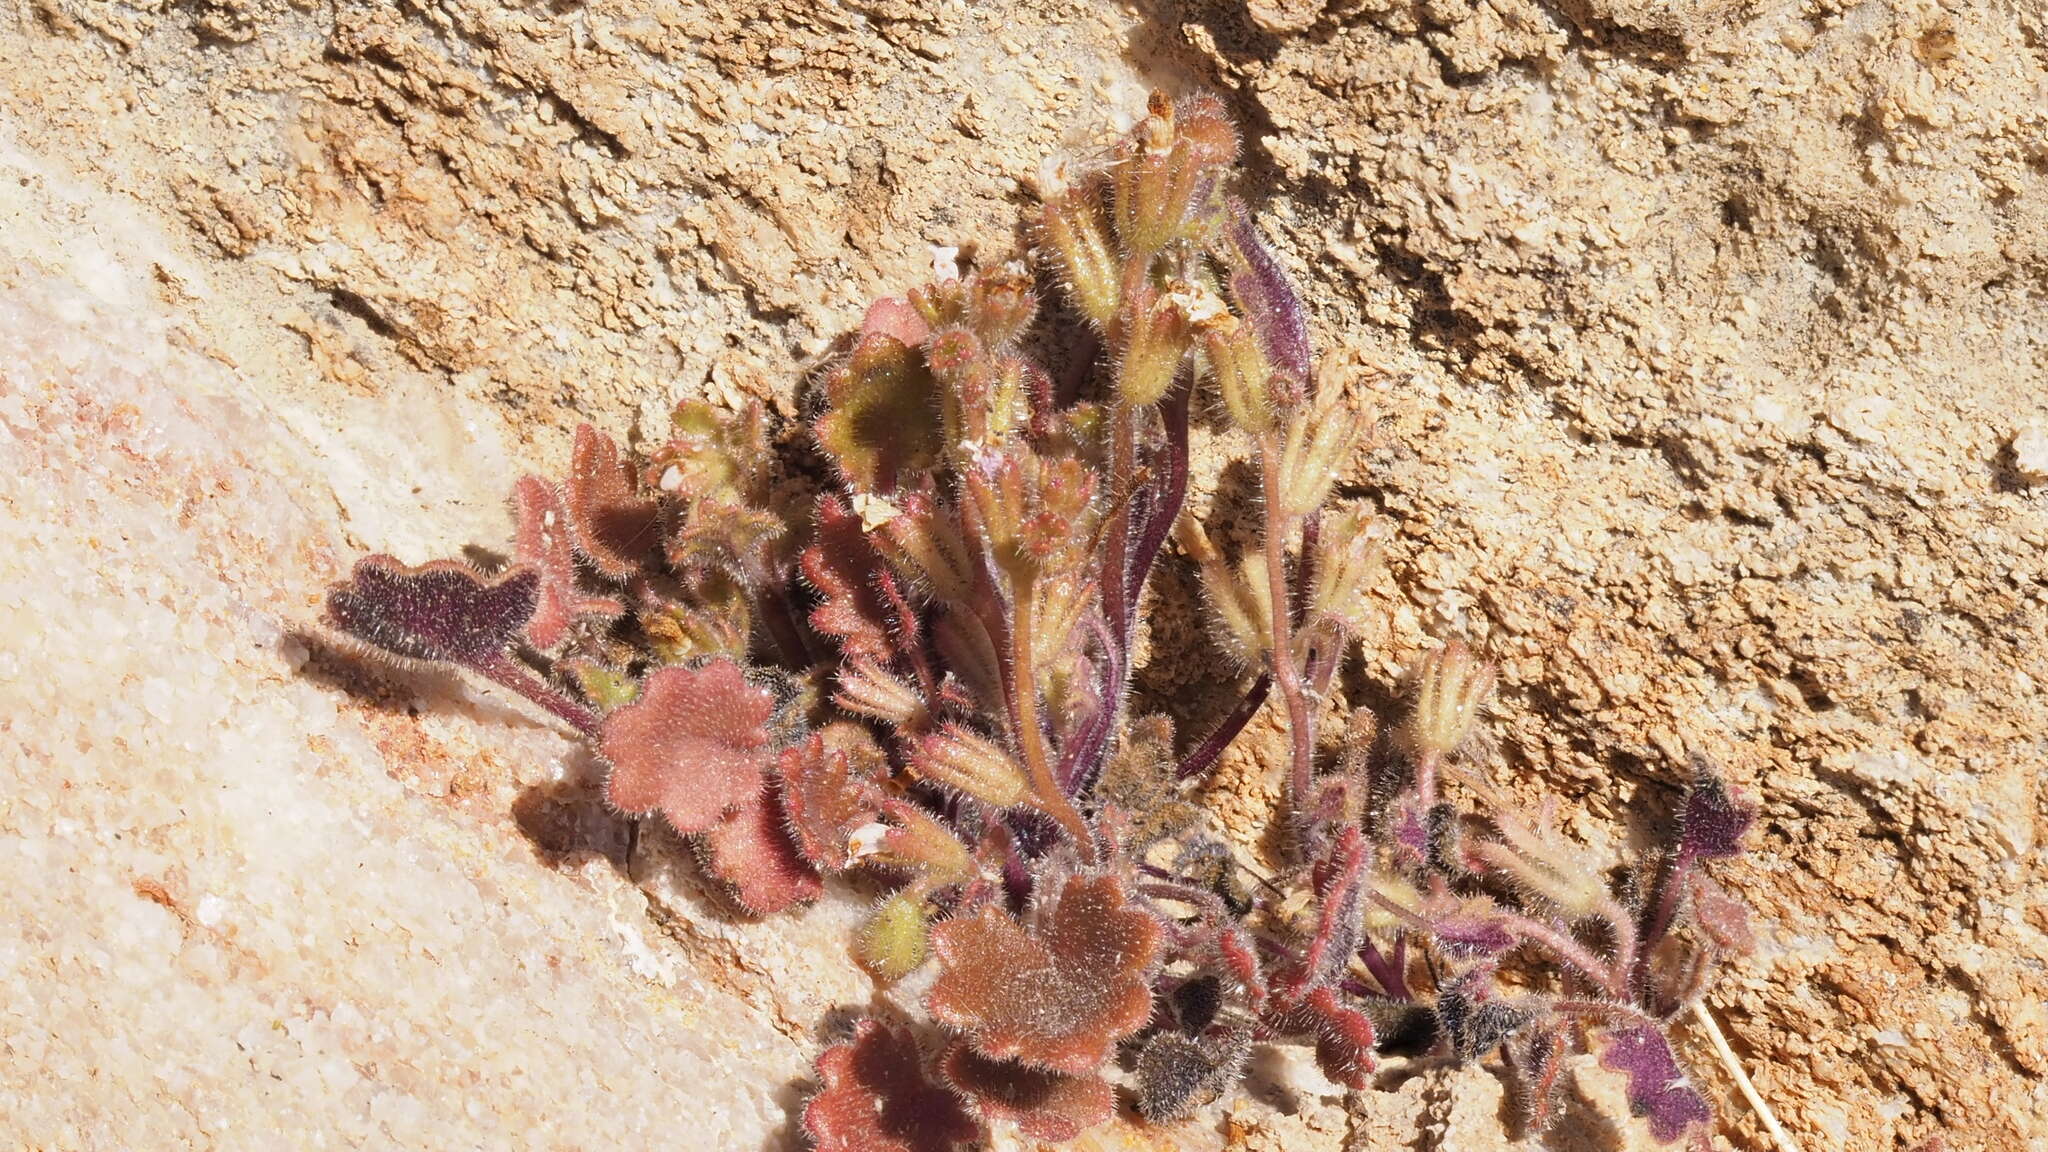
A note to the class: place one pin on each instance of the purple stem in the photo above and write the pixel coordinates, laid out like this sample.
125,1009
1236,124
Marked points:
1082,756
508,672
1658,913
1305,571
1212,906
1083,753
1159,516
1393,983
1210,750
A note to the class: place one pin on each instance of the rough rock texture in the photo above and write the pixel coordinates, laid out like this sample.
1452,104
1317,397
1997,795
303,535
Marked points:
1707,340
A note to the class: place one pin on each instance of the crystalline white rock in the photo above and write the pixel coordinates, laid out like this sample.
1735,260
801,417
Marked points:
183,517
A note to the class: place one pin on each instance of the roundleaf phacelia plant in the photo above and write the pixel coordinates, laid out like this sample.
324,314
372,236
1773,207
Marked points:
924,674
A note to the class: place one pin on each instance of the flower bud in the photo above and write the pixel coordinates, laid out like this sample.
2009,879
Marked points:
1543,866
971,764
1166,180
1348,561
1238,362
1072,227
1318,443
1452,687
1156,334
867,689
1001,305
916,842
1237,599
924,541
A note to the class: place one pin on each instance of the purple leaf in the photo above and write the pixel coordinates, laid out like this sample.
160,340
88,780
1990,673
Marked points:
1714,821
1657,1087
1262,290
1344,1036
443,611
615,527
829,789
843,567
543,544
752,852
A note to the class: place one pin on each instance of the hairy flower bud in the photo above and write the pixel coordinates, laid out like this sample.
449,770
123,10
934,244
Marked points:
923,540
1452,687
1348,561
960,759
1237,599
916,842
1001,304
1156,333
1072,227
1318,442
1237,361
1166,180
867,689
1545,868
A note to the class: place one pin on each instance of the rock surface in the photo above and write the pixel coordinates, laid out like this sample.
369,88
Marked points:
1707,342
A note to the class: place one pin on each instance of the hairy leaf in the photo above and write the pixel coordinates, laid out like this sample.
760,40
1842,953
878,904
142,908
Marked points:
1343,1035
877,1098
1658,1089
1539,1054
723,535
692,745
1266,296
1476,1023
1714,820
750,850
441,611
1045,1105
1058,996
543,544
1177,1075
829,790
882,417
897,318
843,567
615,527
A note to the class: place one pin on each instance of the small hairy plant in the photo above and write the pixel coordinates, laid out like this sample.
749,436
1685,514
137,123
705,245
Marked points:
924,673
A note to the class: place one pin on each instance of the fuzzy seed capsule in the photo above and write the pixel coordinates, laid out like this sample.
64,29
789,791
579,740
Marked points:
893,942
